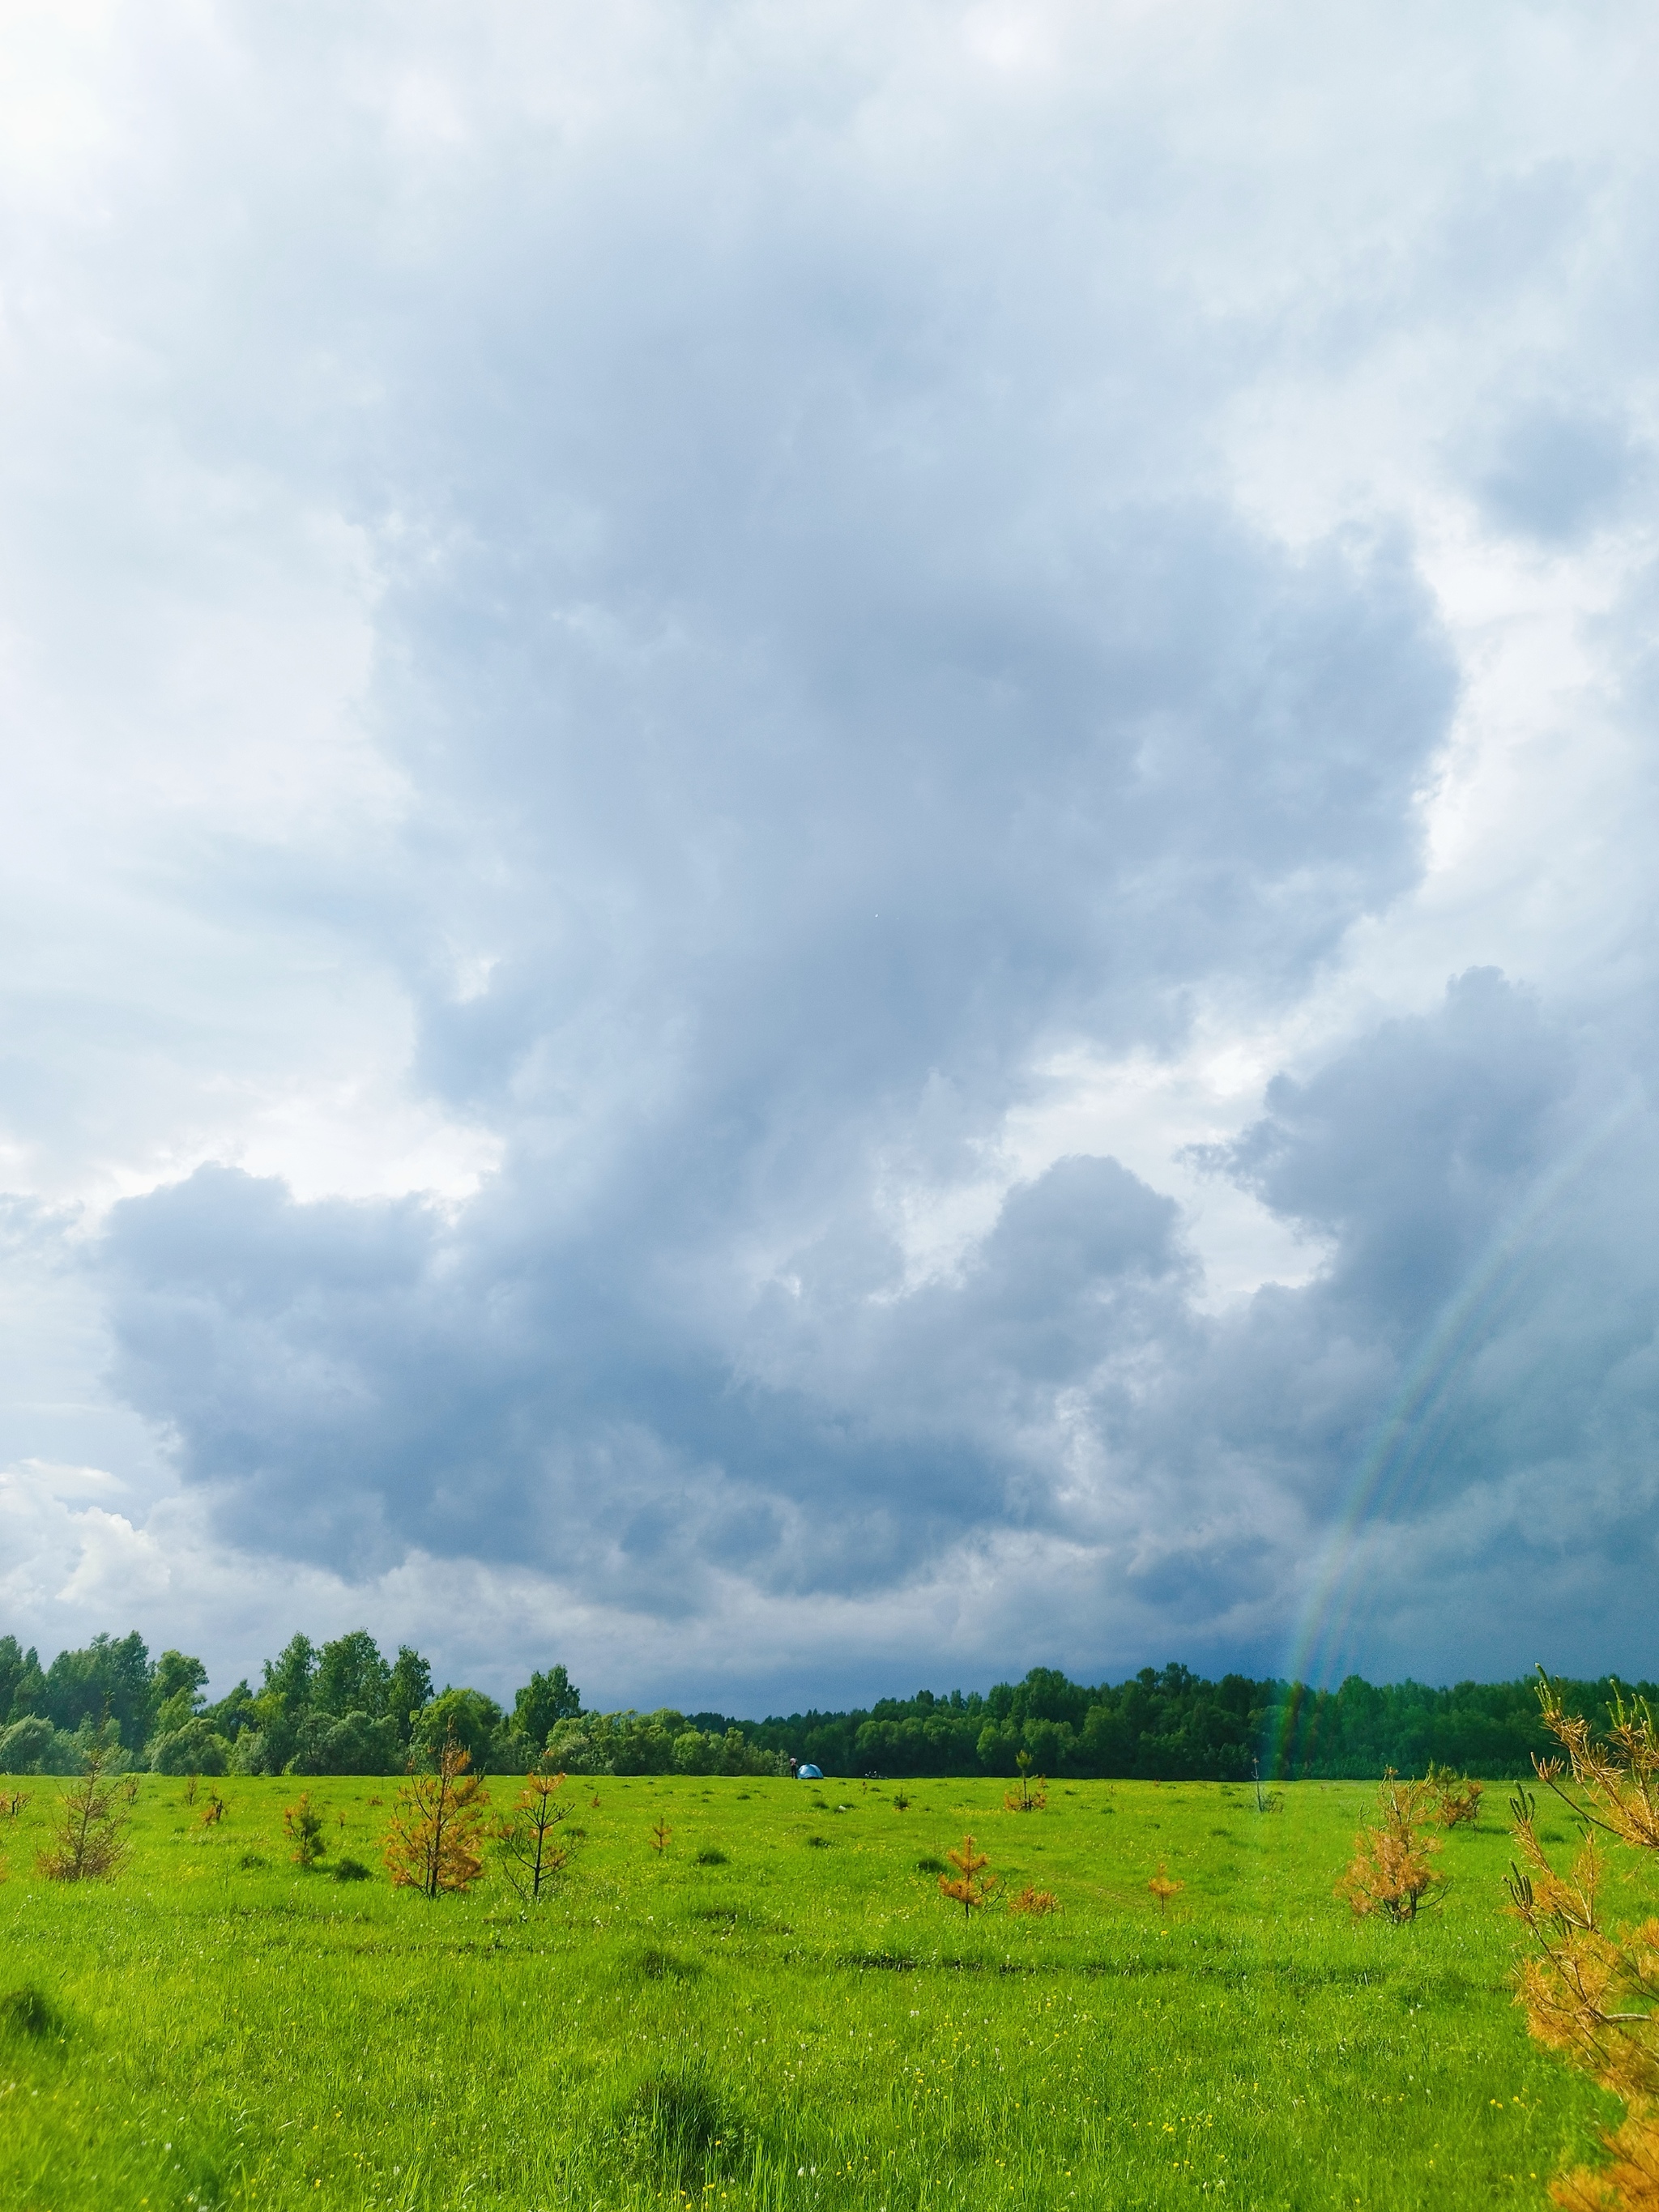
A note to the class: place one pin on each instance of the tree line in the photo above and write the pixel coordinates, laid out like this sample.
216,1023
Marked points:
342,1707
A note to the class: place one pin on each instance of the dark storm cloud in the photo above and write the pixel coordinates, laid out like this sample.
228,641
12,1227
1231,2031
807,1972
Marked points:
1476,1365
759,910
373,1376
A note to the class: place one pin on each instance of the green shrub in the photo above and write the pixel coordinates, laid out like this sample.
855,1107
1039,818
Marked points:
27,1746
675,2130
192,1749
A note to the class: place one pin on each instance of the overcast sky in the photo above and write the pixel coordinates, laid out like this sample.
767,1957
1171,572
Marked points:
828,846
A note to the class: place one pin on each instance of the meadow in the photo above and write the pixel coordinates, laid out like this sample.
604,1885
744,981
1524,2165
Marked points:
776,2009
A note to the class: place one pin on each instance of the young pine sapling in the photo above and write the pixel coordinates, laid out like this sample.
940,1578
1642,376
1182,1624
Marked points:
1459,1797
1164,1886
91,1842
1392,1871
1030,1791
1035,1900
434,1843
305,1830
532,1848
1592,1991
971,1887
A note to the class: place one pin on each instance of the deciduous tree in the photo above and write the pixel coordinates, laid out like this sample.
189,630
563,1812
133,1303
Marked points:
545,1700
407,1690
352,1677
466,1717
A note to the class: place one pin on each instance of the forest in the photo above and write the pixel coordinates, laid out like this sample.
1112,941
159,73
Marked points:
342,1707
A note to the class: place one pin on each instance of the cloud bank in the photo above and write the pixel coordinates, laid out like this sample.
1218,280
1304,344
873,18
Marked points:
834,848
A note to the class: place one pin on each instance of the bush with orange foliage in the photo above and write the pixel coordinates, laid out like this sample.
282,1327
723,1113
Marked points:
1592,1991
435,1839
1035,1900
1393,1872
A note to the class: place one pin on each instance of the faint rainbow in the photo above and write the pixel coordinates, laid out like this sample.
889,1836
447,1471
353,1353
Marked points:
1395,1450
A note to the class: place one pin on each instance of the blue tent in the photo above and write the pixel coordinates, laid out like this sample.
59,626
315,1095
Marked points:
809,1774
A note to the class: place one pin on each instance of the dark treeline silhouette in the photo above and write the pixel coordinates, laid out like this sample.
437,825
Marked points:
342,1707
1171,1725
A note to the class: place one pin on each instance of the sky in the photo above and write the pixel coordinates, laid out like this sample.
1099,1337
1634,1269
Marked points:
827,850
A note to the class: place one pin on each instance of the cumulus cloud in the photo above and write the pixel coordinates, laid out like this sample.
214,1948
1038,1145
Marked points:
791,732
1470,1373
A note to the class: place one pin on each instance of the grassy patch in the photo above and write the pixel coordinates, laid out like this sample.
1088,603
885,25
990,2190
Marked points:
744,2021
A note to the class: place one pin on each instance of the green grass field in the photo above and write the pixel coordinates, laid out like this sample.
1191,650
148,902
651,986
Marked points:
801,2023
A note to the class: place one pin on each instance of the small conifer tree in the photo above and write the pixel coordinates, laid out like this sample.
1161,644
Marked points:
91,1842
1392,1868
1164,1886
1458,1797
659,1836
1034,1900
433,1842
533,1849
971,1887
1030,1791
1591,1991
304,1825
